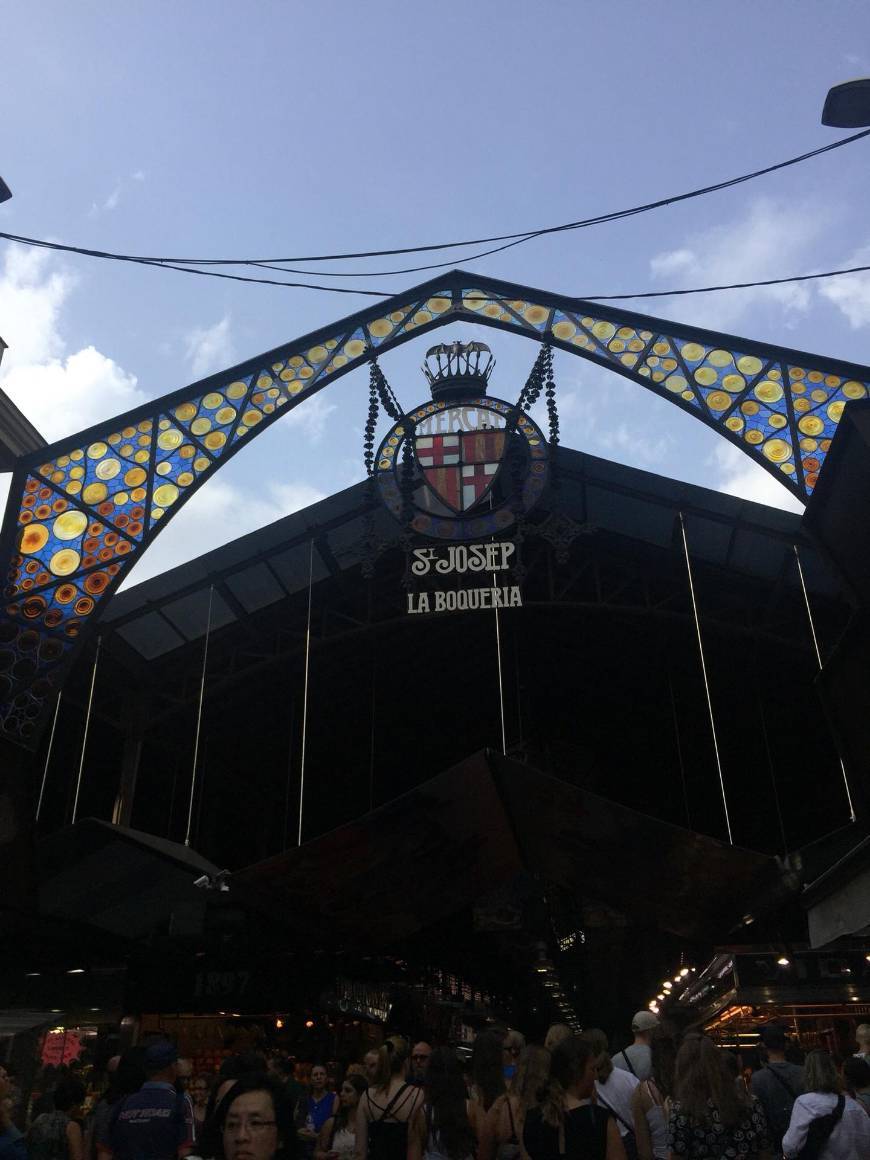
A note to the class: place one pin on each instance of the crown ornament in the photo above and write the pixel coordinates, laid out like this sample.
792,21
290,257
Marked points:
458,369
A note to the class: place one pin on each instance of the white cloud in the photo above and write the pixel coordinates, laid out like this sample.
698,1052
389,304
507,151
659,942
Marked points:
739,475
771,240
31,296
312,417
59,392
630,444
66,395
210,348
219,512
851,292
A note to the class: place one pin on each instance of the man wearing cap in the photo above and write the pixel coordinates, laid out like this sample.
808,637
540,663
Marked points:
151,1125
637,1057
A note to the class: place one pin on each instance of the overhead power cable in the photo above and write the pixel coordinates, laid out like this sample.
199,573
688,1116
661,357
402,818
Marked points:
509,240
388,293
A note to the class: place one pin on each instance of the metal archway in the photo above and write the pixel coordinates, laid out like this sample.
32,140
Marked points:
83,510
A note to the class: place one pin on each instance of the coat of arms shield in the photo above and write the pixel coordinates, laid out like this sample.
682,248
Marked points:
460,465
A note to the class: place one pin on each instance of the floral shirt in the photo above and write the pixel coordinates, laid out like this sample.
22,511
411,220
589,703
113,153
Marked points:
711,1140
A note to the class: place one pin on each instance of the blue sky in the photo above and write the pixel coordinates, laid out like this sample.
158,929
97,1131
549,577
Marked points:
274,128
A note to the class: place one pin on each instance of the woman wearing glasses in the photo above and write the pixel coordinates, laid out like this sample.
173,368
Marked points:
255,1122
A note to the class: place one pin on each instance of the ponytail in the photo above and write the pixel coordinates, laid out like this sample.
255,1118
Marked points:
392,1056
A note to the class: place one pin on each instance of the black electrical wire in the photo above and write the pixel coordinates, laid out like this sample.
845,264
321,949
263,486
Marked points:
509,239
727,286
164,265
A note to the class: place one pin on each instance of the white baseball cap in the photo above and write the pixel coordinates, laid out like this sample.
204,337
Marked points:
644,1021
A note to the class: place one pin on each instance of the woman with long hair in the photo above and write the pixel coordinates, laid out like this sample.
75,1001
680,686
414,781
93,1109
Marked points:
502,1132
567,1124
387,1106
337,1139
649,1101
710,1117
441,1128
254,1121
487,1073
825,1116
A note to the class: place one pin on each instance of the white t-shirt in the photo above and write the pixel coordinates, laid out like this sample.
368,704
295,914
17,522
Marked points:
616,1094
850,1139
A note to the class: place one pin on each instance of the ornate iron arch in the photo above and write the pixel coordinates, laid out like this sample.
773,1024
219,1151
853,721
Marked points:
83,510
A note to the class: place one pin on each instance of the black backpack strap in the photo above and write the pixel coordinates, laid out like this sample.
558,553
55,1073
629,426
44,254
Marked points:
624,1055
610,1108
781,1079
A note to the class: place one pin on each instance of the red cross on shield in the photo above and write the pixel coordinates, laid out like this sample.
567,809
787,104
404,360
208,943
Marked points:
461,468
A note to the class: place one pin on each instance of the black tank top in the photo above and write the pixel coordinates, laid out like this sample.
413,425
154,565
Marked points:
388,1137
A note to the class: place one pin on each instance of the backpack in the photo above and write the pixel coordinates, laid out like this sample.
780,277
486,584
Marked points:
46,1139
819,1131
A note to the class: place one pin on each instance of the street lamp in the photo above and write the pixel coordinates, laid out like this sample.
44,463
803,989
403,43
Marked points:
5,191
847,106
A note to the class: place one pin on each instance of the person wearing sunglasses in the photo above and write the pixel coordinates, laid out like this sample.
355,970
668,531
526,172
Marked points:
420,1054
255,1121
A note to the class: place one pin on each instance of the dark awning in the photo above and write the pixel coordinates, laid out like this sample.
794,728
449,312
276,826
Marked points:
438,848
118,879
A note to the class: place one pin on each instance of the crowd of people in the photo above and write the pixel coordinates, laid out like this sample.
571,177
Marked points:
663,1097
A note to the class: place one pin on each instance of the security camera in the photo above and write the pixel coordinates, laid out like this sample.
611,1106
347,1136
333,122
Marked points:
216,882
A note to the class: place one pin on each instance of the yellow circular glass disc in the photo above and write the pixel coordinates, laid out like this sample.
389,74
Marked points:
108,469
776,450
165,494
748,364
169,440
692,351
64,562
95,493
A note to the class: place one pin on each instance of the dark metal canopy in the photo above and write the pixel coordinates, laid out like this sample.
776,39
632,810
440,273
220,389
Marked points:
84,509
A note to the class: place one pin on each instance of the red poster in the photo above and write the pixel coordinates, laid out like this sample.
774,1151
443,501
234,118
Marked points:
60,1047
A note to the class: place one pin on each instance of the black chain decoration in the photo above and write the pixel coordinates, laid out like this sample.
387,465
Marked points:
553,415
369,549
388,399
371,420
